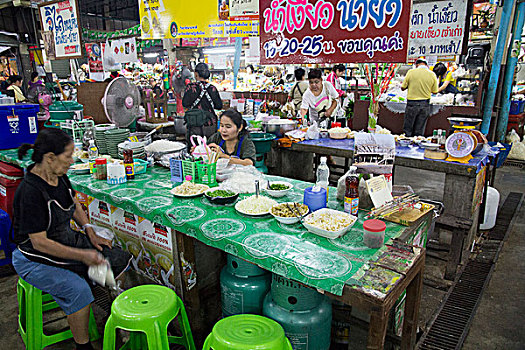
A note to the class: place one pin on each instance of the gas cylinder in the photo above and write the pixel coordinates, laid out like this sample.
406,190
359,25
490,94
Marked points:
305,314
243,287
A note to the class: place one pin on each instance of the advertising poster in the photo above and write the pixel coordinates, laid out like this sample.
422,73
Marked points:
94,53
124,50
334,31
437,28
170,19
61,18
374,153
244,10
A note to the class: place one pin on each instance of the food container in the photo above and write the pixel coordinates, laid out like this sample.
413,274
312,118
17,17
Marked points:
289,220
116,173
404,142
278,193
374,233
315,200
337,135
430,146
220,200
101,169
326,233
279,127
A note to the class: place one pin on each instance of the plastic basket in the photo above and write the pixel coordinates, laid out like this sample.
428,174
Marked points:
76,128
207,173
140,166
516,107
182,168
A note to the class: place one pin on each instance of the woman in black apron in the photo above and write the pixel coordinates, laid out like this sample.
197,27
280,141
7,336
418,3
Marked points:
233,141
50,255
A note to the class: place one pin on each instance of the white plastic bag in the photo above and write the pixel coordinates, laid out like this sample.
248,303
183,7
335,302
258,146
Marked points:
313,132
102,274
512,137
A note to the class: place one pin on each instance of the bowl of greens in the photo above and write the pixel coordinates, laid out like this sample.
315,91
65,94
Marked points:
221,196
278,188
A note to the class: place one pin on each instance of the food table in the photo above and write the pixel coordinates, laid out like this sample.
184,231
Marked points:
463,188
343,268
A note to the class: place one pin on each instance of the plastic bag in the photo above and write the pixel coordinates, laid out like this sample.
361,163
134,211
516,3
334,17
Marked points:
512,137
517,151
102,232
242,179
201,149
341,186
313,132
102,274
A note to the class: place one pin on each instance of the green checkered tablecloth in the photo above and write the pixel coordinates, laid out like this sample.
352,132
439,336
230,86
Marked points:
288,250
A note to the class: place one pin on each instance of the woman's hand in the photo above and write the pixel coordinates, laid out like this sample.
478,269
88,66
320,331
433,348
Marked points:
92,257
96,240
217,149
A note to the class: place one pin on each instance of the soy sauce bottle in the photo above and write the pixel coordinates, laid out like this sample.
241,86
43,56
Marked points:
128,164
351,201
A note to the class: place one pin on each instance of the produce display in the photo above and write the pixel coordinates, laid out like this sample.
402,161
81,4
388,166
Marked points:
330,220
254,205
289,210
187,189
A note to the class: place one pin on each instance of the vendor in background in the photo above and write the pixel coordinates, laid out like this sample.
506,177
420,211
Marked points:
208,101
446,82
233,140
333,78
421,82
299,88
16,86
35,81
320,100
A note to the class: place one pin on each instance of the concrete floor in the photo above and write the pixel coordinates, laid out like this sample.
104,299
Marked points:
497,324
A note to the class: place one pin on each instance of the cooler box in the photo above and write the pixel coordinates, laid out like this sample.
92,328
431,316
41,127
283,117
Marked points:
6,246
517,107
18,125
10,178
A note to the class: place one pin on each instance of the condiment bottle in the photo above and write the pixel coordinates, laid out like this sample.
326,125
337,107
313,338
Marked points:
101,173
323,174
93,155
128,164
351,201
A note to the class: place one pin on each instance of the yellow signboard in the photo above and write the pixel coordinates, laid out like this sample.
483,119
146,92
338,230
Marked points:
170,19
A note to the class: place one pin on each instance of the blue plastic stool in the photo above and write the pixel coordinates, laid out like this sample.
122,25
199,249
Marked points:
6,247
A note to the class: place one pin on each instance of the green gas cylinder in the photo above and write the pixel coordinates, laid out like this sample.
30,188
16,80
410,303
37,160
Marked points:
243,287
305,314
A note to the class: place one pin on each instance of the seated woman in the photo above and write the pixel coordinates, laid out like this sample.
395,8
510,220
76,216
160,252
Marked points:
50,255
16,87
233,140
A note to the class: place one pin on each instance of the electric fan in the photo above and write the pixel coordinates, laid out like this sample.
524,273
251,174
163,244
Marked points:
121,102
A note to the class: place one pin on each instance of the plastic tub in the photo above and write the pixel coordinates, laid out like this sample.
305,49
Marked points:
18,125
374,233
491,210
315,200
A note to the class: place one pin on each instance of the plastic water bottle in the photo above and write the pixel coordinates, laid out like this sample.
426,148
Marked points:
93,155
323,174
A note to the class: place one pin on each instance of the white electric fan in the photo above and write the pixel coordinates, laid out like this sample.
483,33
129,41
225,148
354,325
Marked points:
121,102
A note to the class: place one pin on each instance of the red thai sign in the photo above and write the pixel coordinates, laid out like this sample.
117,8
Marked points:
334,31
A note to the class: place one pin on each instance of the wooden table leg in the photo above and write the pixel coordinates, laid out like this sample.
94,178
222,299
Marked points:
377,330
412,303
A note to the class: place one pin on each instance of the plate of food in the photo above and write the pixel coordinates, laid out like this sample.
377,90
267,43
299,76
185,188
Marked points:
278,188
289,212
221,196
329,223
188,189
338,133
255,206
81,168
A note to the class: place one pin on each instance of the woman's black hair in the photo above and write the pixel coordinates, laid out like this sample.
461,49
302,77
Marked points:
440,69
337,67
251,67
34,75
15,78
48,140
237,119
315,74
203,70
299,74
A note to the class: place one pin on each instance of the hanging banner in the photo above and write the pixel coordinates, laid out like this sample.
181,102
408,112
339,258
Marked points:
170,19
94,53
334,31
124,50
437,28
61,18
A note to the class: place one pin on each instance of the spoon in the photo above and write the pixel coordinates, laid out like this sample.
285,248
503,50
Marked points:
257,189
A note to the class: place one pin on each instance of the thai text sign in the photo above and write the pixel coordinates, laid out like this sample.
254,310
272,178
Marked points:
334,31
170,19
61,18
437,28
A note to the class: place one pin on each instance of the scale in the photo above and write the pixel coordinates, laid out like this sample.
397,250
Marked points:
462,142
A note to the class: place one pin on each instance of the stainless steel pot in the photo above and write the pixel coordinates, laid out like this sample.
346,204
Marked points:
279,129
180,127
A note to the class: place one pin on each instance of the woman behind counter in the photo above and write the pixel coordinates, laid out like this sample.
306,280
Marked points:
50,255
233,141
446,82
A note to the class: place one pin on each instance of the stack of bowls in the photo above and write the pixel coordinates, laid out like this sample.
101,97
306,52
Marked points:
113,138
137,148
100,137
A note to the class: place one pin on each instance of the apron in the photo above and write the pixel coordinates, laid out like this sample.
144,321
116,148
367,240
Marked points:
59,230
238,154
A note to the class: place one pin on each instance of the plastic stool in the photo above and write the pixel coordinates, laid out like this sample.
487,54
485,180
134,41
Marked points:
245,332
148,309
31,305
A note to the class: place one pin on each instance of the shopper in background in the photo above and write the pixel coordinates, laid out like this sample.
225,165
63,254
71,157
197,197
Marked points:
446,82
16,86
203,96
320,100
296,93
333,78
156,88
421,82
35,81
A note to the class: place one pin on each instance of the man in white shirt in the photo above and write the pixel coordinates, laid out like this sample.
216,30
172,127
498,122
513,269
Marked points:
320,100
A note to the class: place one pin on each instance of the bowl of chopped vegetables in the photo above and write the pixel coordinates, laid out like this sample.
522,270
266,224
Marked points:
278,188
289,212
221,196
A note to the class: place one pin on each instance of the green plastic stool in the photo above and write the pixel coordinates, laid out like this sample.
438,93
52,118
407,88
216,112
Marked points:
247,332
32,303
146,311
